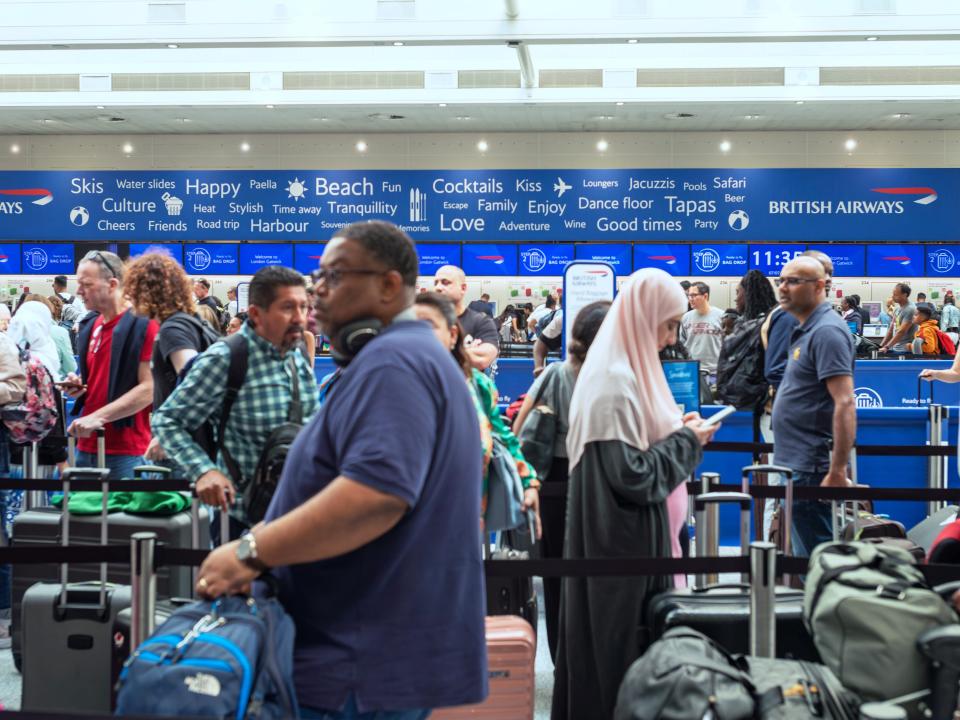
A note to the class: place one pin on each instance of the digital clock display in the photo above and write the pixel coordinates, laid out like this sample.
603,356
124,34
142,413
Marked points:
770,259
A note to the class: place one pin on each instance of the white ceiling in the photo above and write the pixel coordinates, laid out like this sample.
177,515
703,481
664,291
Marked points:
265,39
533,117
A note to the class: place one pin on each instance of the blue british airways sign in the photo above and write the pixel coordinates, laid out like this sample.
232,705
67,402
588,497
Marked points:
616,205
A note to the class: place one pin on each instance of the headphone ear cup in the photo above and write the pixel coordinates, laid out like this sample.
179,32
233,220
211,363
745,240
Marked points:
354,336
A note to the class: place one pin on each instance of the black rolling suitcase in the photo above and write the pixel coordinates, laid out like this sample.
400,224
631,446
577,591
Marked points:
42,526
722,612
67,631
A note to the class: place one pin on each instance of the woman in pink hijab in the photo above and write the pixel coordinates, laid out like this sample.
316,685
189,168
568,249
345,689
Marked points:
630,453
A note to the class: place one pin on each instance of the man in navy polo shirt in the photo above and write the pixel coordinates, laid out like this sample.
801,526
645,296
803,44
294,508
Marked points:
814,402
374,531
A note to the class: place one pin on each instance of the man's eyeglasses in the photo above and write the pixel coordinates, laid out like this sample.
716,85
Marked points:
333,276
693,295
793,281
99,257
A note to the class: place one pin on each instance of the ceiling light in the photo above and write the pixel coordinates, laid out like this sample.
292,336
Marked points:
46,121
632,41
725,146
850,144
173,46
15,149
679,116
361,146
482,146
870,38
99,107
901,116
442,105
398,44
269,107
127,148
619,104
602,145
463,117
751,117
244,147
183,120
799,102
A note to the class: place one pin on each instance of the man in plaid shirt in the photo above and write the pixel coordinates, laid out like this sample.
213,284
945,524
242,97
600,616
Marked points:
277,316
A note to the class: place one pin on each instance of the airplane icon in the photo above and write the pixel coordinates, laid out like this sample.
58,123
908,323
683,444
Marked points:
561,187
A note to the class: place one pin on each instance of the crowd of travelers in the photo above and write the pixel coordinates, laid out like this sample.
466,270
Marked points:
374,532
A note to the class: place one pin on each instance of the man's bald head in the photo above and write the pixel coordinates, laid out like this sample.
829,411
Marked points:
806,266
825,261
451,282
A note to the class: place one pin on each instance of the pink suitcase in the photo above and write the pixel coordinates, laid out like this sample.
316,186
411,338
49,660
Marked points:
511,654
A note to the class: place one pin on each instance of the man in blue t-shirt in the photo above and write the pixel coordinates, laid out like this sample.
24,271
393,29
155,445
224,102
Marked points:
814,404
374,531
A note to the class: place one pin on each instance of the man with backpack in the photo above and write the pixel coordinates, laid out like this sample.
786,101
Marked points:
373,532
201,291
243,386
115,386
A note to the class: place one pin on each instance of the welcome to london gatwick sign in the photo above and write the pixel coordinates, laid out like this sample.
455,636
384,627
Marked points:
485,205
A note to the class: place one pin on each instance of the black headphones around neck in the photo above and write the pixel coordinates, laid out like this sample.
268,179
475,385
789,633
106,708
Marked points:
352,338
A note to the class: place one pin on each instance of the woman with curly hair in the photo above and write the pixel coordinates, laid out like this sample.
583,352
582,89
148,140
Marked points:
158,288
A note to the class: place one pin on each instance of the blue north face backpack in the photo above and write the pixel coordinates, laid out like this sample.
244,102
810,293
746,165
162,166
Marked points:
230,658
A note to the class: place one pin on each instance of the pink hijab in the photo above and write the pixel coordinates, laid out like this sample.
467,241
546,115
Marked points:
621,392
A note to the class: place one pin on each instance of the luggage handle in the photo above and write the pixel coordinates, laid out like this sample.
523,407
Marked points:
708,535
766,468
103,474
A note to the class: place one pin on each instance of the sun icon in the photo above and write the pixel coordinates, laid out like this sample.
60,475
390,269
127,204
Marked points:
296,189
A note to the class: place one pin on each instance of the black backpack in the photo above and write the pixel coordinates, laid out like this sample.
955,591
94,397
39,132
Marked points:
553,344
740,378
263,484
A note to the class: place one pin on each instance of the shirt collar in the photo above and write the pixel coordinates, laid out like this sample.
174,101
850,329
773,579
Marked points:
262,343
405,315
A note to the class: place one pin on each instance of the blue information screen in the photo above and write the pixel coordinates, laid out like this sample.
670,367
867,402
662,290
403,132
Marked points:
306,257
9,258
683,377
47,259
674,259
718,259
545,259
942,259
260,255
895,260
489,259
848,260
210,259
173,250
615,255
770,259
434,256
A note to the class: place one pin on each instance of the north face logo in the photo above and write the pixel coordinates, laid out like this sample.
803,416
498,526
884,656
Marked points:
203,684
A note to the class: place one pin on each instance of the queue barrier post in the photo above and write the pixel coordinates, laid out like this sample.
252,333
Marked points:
143,582
763,619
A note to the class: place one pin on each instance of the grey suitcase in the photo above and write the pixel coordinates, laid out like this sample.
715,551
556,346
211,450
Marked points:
42,527
67,628
927,531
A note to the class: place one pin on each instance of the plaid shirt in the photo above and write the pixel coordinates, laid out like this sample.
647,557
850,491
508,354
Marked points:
261,405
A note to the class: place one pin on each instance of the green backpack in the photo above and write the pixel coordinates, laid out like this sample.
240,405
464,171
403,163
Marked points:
865,605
